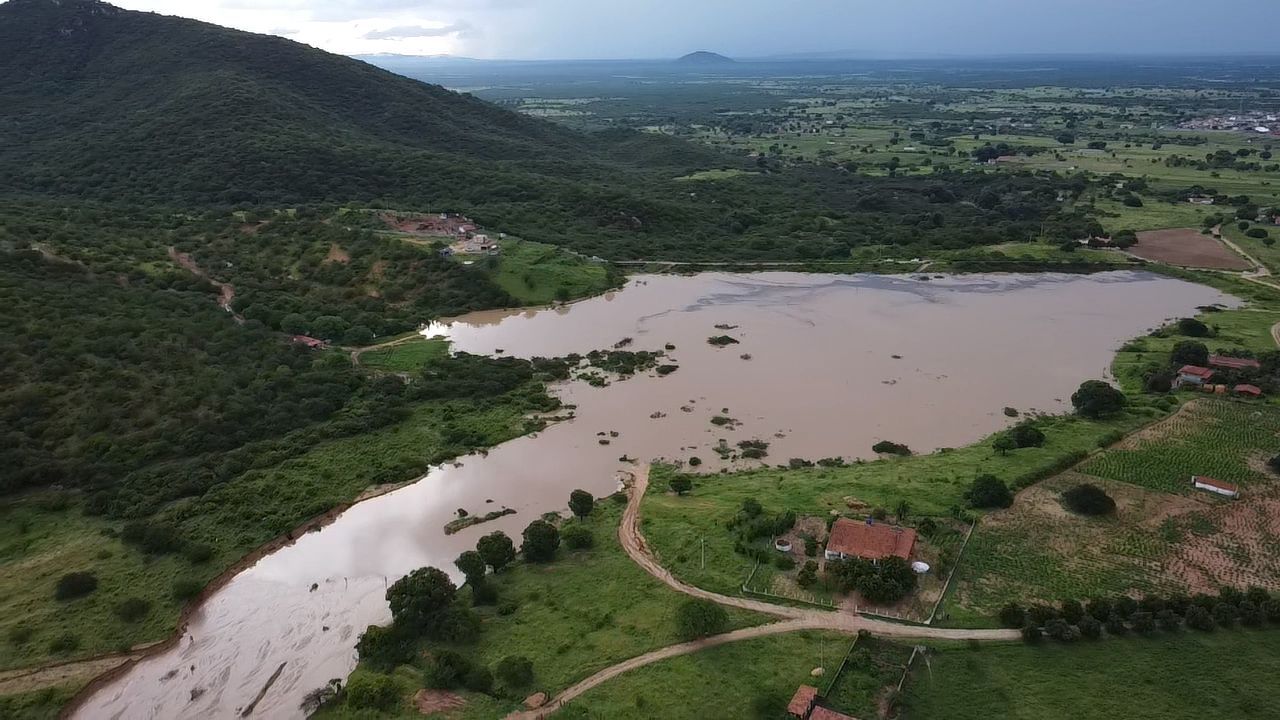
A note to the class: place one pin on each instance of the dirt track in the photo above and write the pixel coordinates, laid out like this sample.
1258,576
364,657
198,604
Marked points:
795,619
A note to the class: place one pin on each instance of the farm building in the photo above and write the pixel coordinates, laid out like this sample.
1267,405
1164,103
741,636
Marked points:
802,702
1194,375
1248,390
1200,482
1232,363
869,540
309,342
803,705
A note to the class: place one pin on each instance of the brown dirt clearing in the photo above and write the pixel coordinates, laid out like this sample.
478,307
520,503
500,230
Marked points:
1187,247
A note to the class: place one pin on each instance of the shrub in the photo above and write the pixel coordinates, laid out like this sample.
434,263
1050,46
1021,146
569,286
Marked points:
1124,606
1115,625
1250,614
417,599
152,538
1192,327
1225,614
1088,499
988,491
186,588
75,585
64,643
885,582
1256,233
1013,616
372,691
694,461
1060,630
1072,611
1168,620
508,607
891,448
577,537
1189,352
808,574
384,647
696,618
1031,633
198,553
541,540
1099,608
132,609
1090,627
1143,622
810,546
783,562
478,680
1041,614
445,669
20,634
1027,435
515,670
1199,618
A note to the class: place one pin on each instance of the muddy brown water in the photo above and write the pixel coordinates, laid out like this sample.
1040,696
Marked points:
822,380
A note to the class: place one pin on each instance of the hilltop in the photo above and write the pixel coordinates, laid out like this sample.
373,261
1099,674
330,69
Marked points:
703,57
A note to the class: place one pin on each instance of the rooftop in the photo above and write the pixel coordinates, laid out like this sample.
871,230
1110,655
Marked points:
1196,371
870,540
822,713
1233,363
802,701
1202,480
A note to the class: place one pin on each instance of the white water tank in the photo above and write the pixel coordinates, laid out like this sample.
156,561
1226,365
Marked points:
920,567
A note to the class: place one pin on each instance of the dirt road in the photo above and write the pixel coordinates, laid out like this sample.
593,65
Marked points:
226,292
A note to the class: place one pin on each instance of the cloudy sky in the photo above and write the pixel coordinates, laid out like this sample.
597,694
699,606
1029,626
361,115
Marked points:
560,29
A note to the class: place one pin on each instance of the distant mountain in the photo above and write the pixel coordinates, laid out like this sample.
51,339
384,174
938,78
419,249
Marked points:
703,57
113,105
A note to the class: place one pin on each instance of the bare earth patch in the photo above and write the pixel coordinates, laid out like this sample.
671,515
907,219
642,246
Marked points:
434,701
1187,247
337,254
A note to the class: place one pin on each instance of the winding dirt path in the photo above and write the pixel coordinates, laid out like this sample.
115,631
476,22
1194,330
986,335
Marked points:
226,292
794,619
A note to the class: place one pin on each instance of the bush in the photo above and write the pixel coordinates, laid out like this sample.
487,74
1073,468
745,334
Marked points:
885,582
890,448
1099,608
419,598
1225,614
1072,611
75,585
198,553
1189,352
988,491
1192,327
808,574
1143,622
1115,625
445,669
372,691
153,539
1027,435
577,537
132,609
541,540
1060,630
384,647
64,643
1090,627
21,634
783,562
186,588
1013,616
1168,620
1250,614
1031,633
508,607
1088,499
478,680
1199,618
697,618
1041,614
515,670
1256,233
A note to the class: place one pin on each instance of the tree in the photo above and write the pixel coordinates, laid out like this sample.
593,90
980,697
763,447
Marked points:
472,565
294,324
581,503
1031,633
697,618
1144,623
1199,618
1090,627
1060,630
1066,138
357,335
515,670
988,491
418,598
902,510
1168,620
1004,444
541,540
1097,399
497,550
1072,611
385,647
1189,352
1013,616
75,585
681,484
133,609
1089,499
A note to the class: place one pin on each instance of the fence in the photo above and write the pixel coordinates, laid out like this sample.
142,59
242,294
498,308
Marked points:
831,683
955,565
807,598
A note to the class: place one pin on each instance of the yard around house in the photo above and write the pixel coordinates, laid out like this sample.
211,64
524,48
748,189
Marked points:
409,356
1184,676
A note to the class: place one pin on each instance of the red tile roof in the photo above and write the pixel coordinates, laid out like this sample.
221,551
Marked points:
802,701
308,341
1202,480
1196,371
870,541
1232,363
822,713
1253,390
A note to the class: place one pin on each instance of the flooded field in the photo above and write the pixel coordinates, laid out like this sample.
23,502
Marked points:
823,366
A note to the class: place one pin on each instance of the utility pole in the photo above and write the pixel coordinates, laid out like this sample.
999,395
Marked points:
703,540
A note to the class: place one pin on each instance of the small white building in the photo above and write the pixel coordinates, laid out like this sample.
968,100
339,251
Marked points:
1225,489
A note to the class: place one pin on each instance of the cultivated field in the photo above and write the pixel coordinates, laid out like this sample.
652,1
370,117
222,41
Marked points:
1187,247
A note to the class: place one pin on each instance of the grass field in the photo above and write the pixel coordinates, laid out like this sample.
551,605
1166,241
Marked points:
1181,677
679,527
587,610
38,705
40,541
537,274
409,356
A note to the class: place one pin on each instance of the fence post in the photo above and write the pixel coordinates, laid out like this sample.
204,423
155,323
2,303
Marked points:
954,566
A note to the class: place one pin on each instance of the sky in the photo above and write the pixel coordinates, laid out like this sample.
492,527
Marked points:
604,29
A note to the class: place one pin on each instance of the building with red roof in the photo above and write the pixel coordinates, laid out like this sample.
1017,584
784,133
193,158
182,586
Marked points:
869,540
1227,489
802,702
1249,390
313,343
1194,375
1233,363
825,713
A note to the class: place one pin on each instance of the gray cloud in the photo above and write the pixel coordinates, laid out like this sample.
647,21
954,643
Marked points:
418,31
